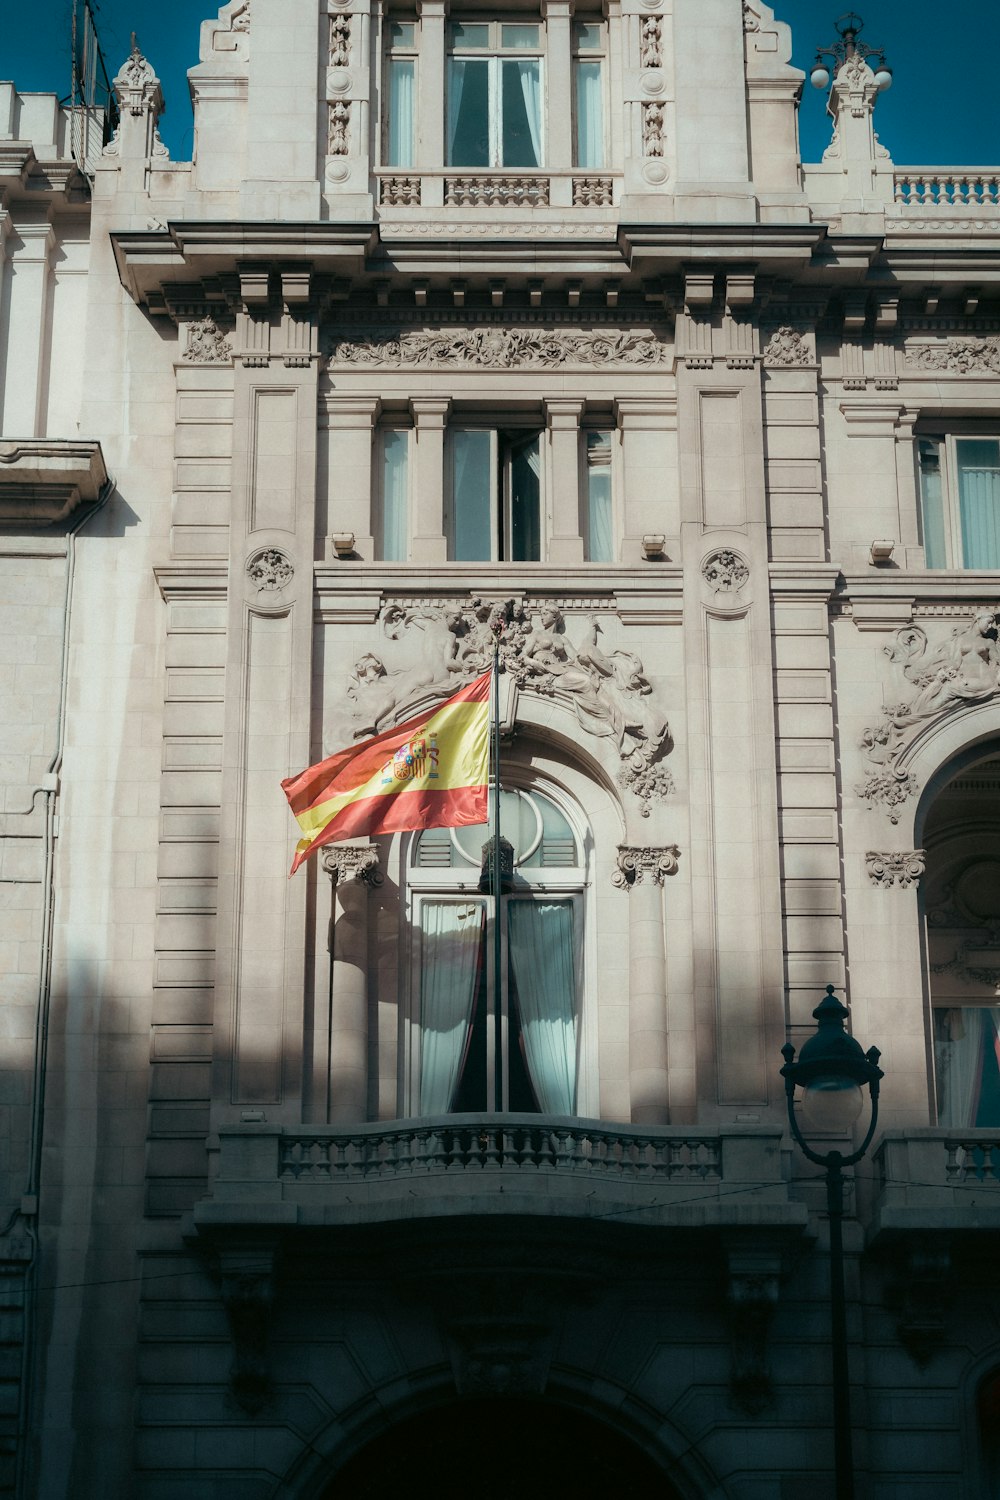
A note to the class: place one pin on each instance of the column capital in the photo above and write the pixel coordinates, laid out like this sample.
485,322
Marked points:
638,863
432,9
343,862
430,411
564,411
353,410
658,413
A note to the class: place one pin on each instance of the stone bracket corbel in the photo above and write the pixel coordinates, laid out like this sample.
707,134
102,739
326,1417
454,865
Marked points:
247,1276
754,1277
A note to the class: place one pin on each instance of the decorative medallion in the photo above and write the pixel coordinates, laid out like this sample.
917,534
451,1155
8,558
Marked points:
725,572
270,570
207,344
785,347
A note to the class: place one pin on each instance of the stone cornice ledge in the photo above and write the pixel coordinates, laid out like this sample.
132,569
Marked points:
188,580
669,247
798,578
44,480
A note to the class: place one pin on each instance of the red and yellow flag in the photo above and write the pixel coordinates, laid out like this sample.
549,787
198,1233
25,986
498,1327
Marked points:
431,772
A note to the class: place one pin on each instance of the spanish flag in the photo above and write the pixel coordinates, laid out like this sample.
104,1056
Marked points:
431,772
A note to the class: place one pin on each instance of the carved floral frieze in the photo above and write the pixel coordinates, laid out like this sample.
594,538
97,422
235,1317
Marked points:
961,670
607,691
959,356
787,347
636,863
889,867
500,348
206,344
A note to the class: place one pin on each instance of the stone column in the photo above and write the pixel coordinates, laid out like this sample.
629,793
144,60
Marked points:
27,330
354,869
349,479
430,100
430,413
565,542
641,871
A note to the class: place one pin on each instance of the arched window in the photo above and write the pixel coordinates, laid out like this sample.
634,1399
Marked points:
473,1048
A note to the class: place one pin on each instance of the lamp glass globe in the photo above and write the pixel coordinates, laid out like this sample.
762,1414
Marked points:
831,1104
819,77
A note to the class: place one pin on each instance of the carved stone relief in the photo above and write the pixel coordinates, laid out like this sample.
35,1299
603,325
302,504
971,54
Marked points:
786,347
895,866
961,670
975,962
637,863
500,348
725,572
608,692
207,344
136,85
650,55
751,20
957,356
653,137
340,122
340,41
359,862
270,570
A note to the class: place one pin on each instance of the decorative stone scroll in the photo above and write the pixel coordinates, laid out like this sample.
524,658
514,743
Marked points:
343,862
891,867
961,670
500,348
957,356
725,571
751,20
787,347
608,692
270,570
638,863
207,344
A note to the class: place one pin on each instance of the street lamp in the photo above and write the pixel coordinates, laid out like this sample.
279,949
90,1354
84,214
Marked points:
848,28
831,1071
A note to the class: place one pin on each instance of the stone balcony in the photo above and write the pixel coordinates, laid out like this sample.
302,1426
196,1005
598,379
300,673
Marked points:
936,1180
510,190
272,1177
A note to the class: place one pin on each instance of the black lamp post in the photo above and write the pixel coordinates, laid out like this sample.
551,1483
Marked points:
831,1071
848,28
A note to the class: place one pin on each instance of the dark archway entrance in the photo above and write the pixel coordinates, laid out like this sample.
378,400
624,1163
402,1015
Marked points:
501,1450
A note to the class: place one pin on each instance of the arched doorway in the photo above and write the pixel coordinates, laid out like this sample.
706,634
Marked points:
961,892
501,1449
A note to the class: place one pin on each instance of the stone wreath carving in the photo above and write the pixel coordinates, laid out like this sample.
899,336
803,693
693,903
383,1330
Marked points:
608,692
725,571
957,356
207,344
785,347
270,570
500,348
895,867
963,669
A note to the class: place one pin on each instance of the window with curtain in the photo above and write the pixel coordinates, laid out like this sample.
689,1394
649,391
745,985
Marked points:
967,1065
493,502
393,529
517,1050
599,538
960,501
589,48
401,81
494,94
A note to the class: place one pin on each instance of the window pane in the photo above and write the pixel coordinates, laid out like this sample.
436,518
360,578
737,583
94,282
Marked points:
450,969
967,1064
540,934
470,36
525,493
472,486
589,37
468,113
521,134
401,34
932,506
519,36
589,115
399,147
395,450
979,501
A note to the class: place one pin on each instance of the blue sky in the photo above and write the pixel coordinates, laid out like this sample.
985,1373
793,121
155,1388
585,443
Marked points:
940,110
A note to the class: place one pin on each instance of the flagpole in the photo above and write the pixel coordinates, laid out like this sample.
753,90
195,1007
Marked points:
495,881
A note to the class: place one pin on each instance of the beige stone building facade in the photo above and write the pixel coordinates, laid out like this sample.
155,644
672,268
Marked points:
528,314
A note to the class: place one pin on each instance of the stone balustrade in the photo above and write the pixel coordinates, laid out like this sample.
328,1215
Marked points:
524,189
493,1164
937,1179
947,188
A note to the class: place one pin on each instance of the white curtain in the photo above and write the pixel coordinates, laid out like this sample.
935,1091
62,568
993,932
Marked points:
401,102
452,934
600,544
541,956
529,73
456,84
979,501
959,1058
394,522
589,115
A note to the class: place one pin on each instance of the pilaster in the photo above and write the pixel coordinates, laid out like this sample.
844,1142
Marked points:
430,414
565,539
